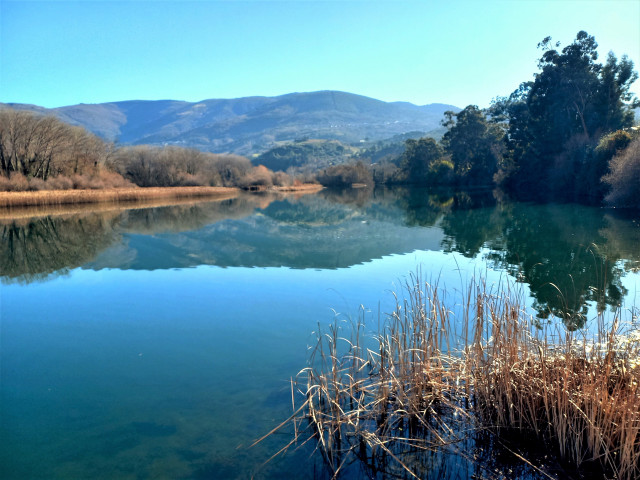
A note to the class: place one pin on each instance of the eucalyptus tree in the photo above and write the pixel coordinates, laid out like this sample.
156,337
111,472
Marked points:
475,145
554,122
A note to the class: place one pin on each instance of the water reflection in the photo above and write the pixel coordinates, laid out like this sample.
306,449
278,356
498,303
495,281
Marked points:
37,248
569,255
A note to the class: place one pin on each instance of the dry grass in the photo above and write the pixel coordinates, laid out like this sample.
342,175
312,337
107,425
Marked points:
302,188
110,195
160,195
428,384
27,212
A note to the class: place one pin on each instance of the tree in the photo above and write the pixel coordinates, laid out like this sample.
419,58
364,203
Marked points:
475,145
555,122
420,158
346,175
38,146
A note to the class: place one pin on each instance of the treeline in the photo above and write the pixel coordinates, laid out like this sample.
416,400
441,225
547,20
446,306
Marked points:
566,135
44,153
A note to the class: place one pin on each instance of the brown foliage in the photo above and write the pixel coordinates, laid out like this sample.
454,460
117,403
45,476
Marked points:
346,175
149,166
43,146
624,177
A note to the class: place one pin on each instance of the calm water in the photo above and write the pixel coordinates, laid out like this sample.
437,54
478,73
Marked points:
159,343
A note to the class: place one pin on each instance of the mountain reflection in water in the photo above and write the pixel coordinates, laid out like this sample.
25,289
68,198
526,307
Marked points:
567,254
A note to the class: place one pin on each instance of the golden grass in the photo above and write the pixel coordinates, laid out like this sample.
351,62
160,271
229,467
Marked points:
110,195
33,211
428,383
305,187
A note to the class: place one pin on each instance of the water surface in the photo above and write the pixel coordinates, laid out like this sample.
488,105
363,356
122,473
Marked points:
159,343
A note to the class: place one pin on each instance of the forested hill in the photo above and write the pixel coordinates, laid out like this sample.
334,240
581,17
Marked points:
252,124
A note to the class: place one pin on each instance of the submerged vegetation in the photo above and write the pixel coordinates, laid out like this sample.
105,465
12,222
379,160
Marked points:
430,384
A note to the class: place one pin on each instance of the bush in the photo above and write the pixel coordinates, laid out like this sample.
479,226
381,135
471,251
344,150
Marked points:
59,183
99,180
281,179
589,182
18,182
5,184
624,177
37,184
346,175
258,177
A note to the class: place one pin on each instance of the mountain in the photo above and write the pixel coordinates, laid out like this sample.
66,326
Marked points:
250,125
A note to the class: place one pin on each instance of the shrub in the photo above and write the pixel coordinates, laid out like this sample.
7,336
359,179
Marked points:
37,184
346,175
19,182
624,177
281,179
259,176
5,184
59,183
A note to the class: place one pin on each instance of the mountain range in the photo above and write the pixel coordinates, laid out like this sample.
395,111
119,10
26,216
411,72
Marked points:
250,125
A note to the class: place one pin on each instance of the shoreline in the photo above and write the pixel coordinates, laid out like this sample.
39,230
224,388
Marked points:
109,195
15,205
131,195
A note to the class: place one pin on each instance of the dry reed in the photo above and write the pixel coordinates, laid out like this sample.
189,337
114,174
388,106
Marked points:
428,384
109,195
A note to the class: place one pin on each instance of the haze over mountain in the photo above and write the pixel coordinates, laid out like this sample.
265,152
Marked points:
251,124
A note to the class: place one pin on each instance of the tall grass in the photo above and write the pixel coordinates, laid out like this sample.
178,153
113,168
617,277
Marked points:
428,384
110,195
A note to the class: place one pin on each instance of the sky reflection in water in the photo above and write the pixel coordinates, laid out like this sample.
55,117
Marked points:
157,341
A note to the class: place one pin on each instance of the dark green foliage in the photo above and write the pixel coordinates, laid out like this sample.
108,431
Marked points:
382,153
305,154
555,122
475,145
419,158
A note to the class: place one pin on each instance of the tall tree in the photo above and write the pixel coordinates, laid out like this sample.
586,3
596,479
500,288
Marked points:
475,145
555,122
419,158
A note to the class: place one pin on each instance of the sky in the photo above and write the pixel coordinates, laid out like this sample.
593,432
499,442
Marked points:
55,53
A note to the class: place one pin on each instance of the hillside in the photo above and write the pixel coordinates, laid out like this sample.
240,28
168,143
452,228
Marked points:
306,154
250,125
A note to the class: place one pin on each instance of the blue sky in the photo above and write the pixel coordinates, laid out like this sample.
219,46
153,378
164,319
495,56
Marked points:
55,53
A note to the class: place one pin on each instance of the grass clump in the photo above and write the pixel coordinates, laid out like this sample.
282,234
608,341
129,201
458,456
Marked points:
431,383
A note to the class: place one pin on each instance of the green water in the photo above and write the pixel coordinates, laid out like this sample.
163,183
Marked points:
159,343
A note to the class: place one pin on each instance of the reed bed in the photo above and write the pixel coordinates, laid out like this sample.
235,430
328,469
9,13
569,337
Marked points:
10,214
430,385
109,195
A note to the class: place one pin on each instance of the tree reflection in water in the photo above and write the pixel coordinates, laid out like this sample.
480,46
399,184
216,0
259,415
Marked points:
37,248
569,255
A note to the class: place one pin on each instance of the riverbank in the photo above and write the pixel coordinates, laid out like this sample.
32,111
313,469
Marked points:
110,195
129,196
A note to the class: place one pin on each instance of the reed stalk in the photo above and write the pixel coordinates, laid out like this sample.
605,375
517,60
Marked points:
428,384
